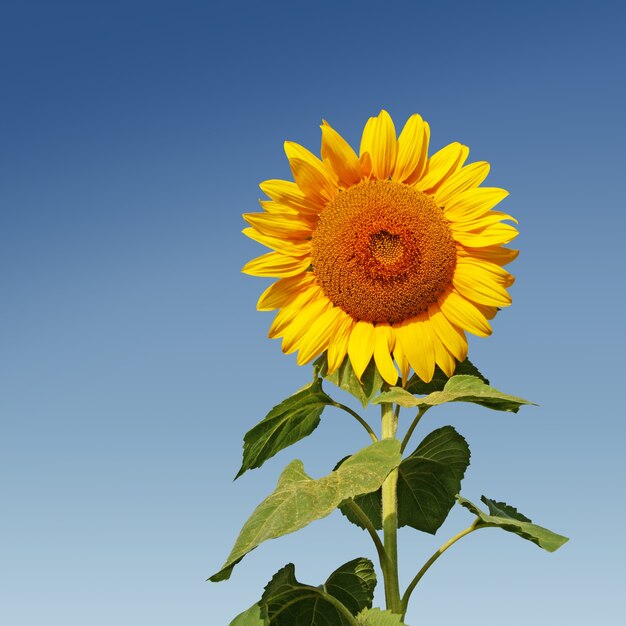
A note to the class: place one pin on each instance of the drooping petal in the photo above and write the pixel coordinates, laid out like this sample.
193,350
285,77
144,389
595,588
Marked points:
477,284
383,347
417,346
361,346
452,337
338,347
315,339
463,313
379,140
292,308
400,358
301,323
412,150
341,156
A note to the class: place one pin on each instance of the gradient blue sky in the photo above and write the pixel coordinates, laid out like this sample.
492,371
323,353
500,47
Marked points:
132,137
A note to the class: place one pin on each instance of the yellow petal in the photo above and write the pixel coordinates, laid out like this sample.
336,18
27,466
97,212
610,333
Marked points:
444,359
493,254
310,173
412,150
482,270
452,337
478,285
417,345
293,333
496,234
361,346
379,140
279,225
338,347
312,182
441,166
284,246
280,292
317,337
400,358
365,161
275,208
288,193
276,265
383,346
463,313
468,177
482,222
473,203
341,156
289,311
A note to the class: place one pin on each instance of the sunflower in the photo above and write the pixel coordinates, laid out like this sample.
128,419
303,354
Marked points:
391,254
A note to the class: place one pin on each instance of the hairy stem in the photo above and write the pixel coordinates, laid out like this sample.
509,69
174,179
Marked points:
390,516
433,558
358,418
415,422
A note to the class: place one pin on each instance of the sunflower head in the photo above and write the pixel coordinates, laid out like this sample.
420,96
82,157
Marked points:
389,254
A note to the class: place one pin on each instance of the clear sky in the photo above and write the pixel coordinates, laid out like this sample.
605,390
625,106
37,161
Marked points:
132,137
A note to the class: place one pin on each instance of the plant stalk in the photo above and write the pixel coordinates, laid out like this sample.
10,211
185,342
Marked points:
433,558
390,516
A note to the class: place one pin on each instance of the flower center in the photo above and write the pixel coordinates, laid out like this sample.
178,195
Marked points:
383,251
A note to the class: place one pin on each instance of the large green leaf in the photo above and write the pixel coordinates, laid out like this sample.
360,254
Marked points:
345,378
254,616
299,500
417,386
457,389
353,584
290,603
502,515
292,420
428,481
376,617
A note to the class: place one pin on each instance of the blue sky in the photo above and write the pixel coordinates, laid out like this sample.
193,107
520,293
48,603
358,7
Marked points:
132,137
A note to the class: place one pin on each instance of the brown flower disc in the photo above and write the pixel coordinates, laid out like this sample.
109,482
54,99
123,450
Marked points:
383,251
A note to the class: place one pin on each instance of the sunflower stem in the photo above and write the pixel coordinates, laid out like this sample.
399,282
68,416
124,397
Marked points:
407,594
390,516
415,422
358,418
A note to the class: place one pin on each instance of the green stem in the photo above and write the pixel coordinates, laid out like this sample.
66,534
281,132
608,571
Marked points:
358,418
433,558
415,422
390,516
359,513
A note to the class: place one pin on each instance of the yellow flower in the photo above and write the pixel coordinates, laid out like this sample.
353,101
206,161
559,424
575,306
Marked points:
391,254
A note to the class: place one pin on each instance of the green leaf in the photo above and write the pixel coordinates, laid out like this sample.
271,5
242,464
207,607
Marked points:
299,500
291,603
376,617
428,481
508,518
254,616
345,378
353,584
417,386
457,389
293,419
